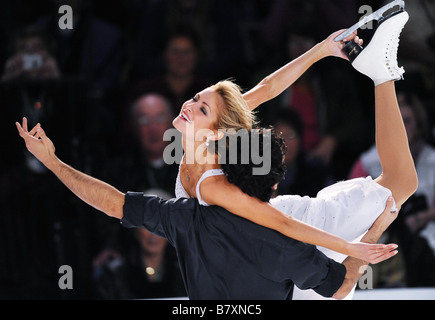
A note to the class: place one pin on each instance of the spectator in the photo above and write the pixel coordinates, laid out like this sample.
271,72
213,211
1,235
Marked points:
415,228
141,165
297,14
32,84
214,21
304,176
180,82
30,57
91,50
419,36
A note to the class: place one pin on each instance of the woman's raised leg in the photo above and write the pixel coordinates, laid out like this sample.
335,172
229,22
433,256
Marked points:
398,169
378,60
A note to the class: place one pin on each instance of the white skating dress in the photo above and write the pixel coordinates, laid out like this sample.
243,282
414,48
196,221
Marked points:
346,209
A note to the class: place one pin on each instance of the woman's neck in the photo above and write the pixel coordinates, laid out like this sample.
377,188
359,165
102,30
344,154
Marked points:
194,164
197,154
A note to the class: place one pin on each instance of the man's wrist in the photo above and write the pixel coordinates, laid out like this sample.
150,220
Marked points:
53,163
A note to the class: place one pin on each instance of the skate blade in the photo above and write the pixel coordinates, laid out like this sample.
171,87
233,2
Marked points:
377,15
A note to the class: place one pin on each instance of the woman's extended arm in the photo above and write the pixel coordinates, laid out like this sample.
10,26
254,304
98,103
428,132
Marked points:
218,191
275,83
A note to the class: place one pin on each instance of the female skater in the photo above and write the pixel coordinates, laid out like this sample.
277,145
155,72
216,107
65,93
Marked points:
207,183
222,106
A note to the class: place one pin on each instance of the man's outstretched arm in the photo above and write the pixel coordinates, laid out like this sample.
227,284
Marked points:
94,192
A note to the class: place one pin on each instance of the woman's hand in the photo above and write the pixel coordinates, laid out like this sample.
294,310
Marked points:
372,253
333,48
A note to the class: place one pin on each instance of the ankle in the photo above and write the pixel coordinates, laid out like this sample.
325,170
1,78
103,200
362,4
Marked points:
386,84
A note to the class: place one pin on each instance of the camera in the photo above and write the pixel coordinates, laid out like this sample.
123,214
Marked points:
31,61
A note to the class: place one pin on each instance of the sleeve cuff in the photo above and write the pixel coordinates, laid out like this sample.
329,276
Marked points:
133,210
333,280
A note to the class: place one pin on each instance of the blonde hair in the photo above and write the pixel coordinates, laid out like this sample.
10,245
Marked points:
236,113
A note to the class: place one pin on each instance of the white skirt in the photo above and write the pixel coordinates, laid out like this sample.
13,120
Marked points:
346,209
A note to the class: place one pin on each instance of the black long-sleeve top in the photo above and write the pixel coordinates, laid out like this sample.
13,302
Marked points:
223,256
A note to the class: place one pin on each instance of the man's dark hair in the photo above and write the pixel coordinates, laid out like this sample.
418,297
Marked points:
241,174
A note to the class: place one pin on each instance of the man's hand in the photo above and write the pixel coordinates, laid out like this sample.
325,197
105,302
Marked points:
94,192
37,143
382,222
355,267
375,253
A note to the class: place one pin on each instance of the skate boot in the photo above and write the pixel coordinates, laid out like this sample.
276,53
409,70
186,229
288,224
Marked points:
378,60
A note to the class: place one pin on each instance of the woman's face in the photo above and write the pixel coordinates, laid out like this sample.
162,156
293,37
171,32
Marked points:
200,112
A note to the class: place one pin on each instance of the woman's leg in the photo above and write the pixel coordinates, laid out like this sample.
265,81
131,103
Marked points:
398,170
379,62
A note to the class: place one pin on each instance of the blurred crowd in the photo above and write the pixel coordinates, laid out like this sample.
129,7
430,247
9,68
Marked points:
107,90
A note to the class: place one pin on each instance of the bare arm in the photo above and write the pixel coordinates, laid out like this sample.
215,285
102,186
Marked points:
218,191
275,83
94,192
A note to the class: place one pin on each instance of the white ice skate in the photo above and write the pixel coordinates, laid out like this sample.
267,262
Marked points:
378,16
378,59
